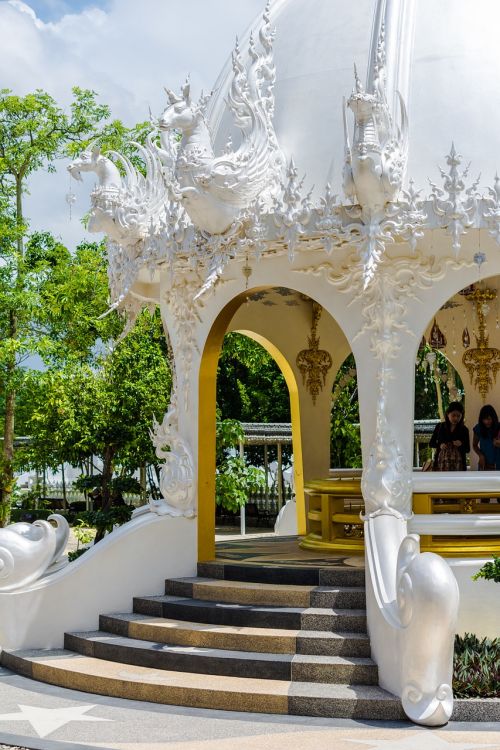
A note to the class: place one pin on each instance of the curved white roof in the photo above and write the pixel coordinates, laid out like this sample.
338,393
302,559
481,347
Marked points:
444,57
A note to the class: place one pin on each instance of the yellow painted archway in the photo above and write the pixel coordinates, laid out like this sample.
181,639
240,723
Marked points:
207,426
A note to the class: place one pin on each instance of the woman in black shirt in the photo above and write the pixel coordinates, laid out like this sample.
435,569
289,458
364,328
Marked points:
451,432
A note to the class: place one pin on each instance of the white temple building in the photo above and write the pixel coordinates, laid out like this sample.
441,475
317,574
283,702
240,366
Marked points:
335,194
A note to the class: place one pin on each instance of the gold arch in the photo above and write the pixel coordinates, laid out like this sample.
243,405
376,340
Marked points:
207,426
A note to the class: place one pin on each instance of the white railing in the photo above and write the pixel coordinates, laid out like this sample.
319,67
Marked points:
453,524
412,603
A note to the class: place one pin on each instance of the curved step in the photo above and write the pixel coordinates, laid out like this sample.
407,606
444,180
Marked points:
262,594
333,575
89,674
300,667
223,613
180,658
203,635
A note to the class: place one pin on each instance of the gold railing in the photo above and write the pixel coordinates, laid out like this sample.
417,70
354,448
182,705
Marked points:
333,508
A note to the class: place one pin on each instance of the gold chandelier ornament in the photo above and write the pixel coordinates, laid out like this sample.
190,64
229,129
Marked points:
483,362
314,362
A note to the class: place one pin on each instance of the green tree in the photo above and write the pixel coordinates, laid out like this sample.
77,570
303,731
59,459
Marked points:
104,408
250,386
34,132
235,479
345,445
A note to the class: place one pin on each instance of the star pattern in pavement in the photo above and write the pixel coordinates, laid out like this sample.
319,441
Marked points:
419,740
46,720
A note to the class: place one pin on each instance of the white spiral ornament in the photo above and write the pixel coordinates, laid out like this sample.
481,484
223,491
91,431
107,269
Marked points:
28,550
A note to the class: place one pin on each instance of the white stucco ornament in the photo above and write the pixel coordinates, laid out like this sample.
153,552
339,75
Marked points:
375,162
177,476
27,550
216,189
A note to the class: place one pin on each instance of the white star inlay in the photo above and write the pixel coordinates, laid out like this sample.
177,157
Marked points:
417,741
47,720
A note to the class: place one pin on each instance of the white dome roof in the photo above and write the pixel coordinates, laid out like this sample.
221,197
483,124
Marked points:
443,56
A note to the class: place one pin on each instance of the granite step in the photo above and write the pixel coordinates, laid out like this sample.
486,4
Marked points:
203,635
78,672
201,661
224,613
300,667
248,592
334,575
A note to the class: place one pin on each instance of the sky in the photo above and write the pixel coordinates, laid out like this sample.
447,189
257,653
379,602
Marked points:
127,51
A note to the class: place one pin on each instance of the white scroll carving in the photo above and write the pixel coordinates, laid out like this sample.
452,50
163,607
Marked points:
28,550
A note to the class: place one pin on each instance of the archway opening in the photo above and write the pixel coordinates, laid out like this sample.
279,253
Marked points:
457,364
458,361
255,475
308,346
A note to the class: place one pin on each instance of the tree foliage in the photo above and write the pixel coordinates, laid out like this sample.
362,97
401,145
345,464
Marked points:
104,408
34,132
250,385
235,479
345,439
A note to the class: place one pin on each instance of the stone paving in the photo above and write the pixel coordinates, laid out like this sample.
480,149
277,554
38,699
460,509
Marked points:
44,717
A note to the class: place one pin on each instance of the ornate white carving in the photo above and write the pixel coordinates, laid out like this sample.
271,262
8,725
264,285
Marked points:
375,163
216,189
491,209
28,550
177,470
407,217
292,211
328,221
386,481
455,206
92,160
185,306
134,212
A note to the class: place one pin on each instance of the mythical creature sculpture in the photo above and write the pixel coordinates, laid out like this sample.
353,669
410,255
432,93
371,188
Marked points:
177,470
125,208
134,211
375,163
28,550
215,190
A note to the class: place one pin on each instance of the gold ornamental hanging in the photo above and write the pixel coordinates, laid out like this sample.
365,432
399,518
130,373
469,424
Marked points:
314,362
483,362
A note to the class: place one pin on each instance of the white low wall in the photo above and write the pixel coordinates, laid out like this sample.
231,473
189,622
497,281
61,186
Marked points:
286,522
134,560
479,610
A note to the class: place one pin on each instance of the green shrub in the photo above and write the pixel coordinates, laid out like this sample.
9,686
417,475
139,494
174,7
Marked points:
105,520
476,667
76,554
490,571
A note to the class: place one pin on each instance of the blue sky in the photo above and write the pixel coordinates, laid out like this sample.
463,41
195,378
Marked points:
127,51
53,10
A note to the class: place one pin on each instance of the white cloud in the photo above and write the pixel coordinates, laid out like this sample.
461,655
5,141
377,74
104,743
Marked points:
126,53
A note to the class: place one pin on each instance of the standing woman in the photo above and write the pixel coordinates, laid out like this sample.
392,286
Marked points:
451,441
485,439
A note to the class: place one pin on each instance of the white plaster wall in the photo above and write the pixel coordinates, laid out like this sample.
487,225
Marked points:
133,561
479,610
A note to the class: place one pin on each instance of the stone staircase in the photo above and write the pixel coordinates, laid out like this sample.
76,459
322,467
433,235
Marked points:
284,640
